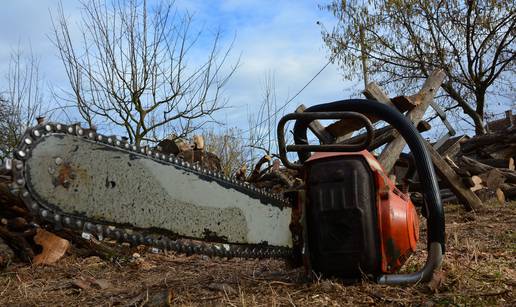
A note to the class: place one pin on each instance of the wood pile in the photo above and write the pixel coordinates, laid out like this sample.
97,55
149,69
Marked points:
487,161
485,164
470,170
193,152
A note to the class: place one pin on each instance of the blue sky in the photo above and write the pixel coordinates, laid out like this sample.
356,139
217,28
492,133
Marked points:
272,37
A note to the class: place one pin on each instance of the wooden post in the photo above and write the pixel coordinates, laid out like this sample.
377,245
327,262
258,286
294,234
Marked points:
392,151
344,129
383,135
468,199
315,126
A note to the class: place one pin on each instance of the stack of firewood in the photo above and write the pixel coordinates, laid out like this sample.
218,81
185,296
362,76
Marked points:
192,152
486,162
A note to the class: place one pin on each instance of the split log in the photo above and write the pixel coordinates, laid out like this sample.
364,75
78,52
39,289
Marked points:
374,92
198,142
206,159
273,178
392,151
241,173
499,163
383,136
509,190
493,179
405,102
478,168
452,146
476,183
467,198
500,196
480,142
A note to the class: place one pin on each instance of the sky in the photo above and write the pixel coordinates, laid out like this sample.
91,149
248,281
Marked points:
275,38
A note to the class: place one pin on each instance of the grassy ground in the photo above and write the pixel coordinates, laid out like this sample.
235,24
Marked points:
479,270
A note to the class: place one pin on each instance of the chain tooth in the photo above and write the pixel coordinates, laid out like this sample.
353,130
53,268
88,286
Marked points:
117,235
21,154
34,207
99,229
78,224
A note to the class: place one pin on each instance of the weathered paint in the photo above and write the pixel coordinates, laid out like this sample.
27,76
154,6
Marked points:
86,178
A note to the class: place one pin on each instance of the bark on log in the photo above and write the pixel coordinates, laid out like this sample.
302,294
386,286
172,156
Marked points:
499,163
477,168
467,198
405,102
345,128
493,179
383,136
509,190
482,141
392,151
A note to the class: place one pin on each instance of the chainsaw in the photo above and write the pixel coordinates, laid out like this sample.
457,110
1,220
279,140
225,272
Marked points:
347,220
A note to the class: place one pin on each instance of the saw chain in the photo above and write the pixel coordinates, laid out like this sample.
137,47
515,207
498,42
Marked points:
126,233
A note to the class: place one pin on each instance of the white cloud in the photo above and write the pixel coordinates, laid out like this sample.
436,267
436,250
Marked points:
279,37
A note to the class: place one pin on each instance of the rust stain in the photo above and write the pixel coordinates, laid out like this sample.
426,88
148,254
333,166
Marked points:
68,175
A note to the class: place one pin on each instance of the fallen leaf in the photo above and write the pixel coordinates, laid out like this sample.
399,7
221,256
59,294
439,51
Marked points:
54,247
437,281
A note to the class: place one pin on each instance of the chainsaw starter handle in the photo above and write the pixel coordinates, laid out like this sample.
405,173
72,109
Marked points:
425,169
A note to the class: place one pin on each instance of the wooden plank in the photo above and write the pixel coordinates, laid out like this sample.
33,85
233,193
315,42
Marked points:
405,102
345,128
383,136
468,199
392,151
317,128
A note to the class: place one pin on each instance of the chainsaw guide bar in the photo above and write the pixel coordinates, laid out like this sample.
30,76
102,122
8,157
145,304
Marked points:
78,179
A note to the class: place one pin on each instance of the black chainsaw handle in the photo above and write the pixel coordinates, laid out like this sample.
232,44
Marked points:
425,169
311,116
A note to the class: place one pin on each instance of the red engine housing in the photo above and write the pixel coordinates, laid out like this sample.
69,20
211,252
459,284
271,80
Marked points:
358,222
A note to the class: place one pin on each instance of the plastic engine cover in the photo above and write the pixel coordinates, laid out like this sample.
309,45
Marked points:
342,221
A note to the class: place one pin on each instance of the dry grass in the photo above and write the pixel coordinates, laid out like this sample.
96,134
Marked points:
479,269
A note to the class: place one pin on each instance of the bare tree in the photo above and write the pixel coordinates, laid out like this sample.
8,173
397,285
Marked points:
229,146
137,67
263,122
401,42
21,102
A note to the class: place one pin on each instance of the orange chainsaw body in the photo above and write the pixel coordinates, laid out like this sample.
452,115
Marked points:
396,226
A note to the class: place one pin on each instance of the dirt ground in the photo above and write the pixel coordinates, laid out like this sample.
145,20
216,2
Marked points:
479,270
